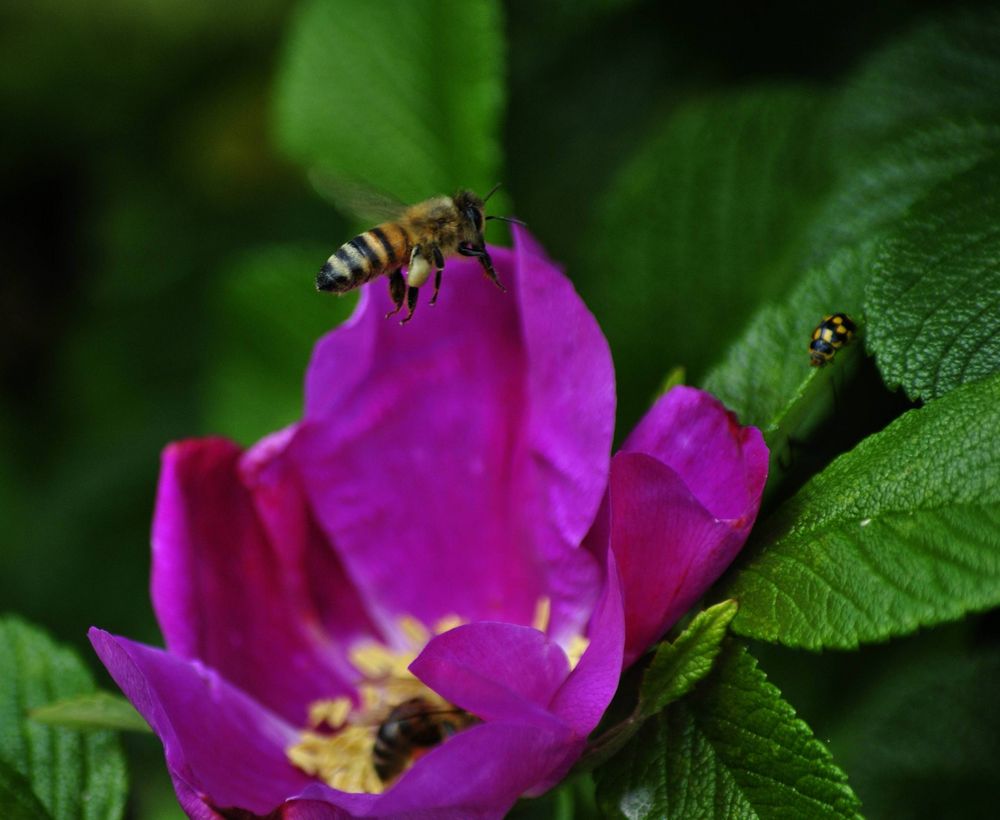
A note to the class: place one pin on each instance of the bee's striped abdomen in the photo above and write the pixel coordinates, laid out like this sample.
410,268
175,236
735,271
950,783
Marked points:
368,255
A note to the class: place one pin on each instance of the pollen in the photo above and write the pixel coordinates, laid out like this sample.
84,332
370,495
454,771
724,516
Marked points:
577,646
447,624
339,745
343,760
543,614
331,712
415,632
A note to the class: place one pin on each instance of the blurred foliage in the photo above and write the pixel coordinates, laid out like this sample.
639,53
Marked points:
159,256
76,775
407,121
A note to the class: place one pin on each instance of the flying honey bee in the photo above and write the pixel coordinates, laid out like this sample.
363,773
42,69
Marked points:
421,237
410,727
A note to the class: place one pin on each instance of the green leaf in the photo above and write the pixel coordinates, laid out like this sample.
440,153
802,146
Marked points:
17,800
734,749
73,774
270,318
766,374
876,188
675,669
935,294
729,185
678,666
901,532
100,710
892,736
946,69
573,799
413,115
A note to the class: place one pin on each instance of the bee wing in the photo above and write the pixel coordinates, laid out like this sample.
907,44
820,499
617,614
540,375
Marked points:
356,198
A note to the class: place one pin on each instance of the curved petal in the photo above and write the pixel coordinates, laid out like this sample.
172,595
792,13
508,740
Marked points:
582,700
571,384
304,809
219,589
311,571
669,548
448,439
409,468
570,417
477,774
223,749
495,671
723,464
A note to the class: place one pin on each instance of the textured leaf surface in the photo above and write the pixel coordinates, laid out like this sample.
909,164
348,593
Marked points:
73,774
734,749
935,294
405,95
768,368
100,710
674,671
703,222
878,185
679,665
902,532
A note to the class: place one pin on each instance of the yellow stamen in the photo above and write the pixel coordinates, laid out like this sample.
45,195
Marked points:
415,631
446,624
343,760
374,661
543,613
577,646
331,712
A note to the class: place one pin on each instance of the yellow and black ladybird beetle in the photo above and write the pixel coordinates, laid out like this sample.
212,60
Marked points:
835,331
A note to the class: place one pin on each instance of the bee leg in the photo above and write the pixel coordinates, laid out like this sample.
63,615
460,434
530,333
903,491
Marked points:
439,264
437,286
397,291
484,259
411,302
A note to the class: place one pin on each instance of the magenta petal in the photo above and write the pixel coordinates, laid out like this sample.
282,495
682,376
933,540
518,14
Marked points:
311,571
476,775
669,548
307,809
571,397
476,437
219,588
480,772
723,464
418,457
583,698
495,671
223,749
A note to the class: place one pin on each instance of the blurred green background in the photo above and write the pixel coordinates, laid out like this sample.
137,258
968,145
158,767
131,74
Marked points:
161,238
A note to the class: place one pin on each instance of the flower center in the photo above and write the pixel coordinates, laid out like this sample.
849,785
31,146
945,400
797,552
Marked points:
364,745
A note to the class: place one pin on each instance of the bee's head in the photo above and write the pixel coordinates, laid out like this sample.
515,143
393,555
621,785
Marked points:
470,209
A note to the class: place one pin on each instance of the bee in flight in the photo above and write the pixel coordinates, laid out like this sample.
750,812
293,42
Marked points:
835,331
410,727
421,238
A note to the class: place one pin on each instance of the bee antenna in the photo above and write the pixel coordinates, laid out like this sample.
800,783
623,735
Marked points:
510,219
493,190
